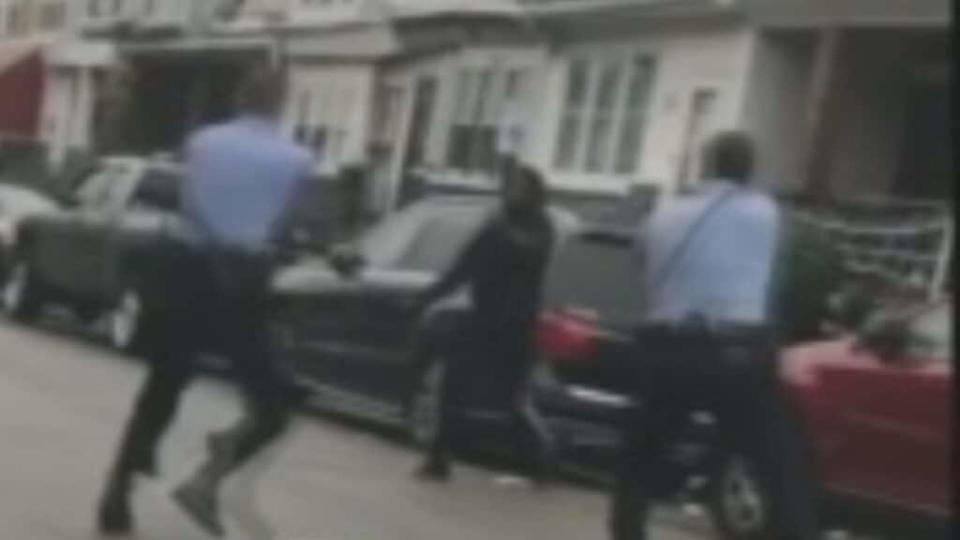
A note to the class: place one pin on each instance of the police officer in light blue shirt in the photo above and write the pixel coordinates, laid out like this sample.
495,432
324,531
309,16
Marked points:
723,273
709,261
242,179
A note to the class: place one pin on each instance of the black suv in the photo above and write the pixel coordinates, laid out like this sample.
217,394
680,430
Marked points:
350,332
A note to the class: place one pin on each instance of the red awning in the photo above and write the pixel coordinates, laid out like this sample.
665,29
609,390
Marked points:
21,90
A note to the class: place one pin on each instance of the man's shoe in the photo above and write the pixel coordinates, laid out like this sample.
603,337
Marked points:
434,472
200,505
114,518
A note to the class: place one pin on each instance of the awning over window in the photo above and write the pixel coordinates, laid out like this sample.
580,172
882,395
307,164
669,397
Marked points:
21,90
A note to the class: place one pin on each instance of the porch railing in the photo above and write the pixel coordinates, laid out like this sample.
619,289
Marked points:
910,243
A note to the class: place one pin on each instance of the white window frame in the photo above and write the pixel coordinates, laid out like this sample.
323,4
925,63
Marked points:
596,60
484,112
322,107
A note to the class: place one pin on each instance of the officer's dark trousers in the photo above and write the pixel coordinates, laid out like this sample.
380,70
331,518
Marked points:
731,374
196,302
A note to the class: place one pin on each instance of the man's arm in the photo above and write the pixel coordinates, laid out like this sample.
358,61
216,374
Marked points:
459,272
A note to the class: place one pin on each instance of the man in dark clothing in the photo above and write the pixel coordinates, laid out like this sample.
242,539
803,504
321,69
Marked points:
210,291
503,265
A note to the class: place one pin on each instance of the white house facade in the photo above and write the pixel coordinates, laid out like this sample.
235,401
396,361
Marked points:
602,96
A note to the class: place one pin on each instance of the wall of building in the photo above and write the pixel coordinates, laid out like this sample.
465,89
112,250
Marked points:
868,122
850,12
775,110
864,115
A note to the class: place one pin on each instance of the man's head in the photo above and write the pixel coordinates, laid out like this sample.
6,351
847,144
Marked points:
261,92
730,156
524,191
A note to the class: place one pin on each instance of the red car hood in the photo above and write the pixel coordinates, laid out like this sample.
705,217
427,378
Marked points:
799,365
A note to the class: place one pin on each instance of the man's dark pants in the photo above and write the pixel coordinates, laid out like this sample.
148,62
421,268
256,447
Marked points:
200,301
495,366
733,375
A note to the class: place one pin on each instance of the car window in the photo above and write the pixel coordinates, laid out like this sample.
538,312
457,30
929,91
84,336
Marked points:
597,275
437,243
931,334
159,189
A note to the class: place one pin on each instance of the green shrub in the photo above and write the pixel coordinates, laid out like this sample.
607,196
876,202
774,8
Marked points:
809,270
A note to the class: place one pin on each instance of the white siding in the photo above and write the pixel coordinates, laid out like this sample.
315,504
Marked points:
775,110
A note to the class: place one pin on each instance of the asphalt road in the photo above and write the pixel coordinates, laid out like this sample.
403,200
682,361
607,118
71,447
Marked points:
63,399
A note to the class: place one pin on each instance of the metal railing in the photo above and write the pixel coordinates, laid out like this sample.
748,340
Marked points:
909,243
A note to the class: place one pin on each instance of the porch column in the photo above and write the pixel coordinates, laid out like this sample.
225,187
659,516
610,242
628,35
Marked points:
821,109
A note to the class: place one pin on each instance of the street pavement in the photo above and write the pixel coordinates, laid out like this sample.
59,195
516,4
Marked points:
63,400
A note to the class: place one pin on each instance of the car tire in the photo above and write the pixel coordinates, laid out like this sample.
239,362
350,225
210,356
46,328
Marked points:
124,321
22,293
423,413
742,503
739,500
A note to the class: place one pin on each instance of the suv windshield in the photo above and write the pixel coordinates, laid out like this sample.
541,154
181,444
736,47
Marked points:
598,275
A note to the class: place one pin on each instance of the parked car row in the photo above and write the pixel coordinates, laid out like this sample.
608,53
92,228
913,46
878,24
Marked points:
871,410
82,256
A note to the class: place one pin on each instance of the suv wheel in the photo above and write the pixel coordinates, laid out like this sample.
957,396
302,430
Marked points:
740,501
423,416
124,321
21,292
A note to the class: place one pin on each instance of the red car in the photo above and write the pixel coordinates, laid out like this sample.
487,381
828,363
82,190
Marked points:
874,411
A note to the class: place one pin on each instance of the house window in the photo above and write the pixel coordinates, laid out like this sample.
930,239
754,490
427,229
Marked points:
321,123
481,96
604,114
